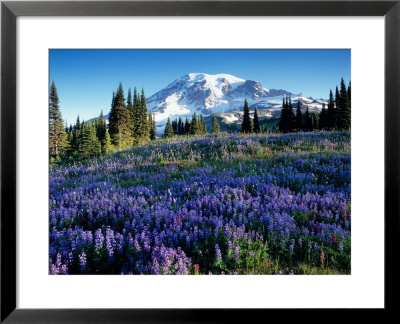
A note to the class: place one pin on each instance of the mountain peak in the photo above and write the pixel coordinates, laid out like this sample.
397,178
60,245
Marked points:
209,94
221,94
221,77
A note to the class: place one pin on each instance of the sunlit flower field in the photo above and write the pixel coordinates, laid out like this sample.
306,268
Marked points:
215,204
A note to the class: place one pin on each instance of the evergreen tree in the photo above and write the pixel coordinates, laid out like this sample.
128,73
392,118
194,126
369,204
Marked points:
331,112
129,103
343,119
193,125
175,126
89,144
215,126
255,122
100,127
129,106
57,135
246,124
69,145
180,126
299,117
187,126
349,94
283,120
337,98
144,124
315,122
169,131
308,125
75,135
323,118
202,125
120,124
153,128
287,121
136,116
291,117
106,146
77,124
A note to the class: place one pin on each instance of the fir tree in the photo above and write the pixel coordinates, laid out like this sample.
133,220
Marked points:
202,125
129,106
180,126
343,119
136,116
194,129
283,120
153,128
287,121
144,125
315,122
187,126
246,124
57,135
337,98
175,126
308,125
323,118
89,144
77,124
120,127
330,113
169,131
75,135
349,94
100,127
106,146
299,117
290,114
256,122
150,118
215,126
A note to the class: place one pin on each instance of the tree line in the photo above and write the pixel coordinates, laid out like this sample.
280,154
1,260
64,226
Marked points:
129,124
194,126
337,116
197,126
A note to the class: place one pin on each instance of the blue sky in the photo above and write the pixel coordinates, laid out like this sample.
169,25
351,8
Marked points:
85,79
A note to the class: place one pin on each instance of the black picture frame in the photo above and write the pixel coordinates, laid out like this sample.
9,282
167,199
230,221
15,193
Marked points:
10,10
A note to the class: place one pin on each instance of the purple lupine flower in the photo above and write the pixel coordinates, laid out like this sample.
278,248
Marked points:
316,248
230,245
98,239
237,253
218,252
110,242
82,261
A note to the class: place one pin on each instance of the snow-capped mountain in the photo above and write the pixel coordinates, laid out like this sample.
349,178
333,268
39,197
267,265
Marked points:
222,94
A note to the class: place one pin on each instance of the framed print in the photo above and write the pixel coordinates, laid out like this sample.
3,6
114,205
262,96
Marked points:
195,152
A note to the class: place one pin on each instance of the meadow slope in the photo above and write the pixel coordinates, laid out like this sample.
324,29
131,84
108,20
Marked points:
220,204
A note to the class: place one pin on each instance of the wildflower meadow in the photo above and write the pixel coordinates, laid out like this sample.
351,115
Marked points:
213,204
